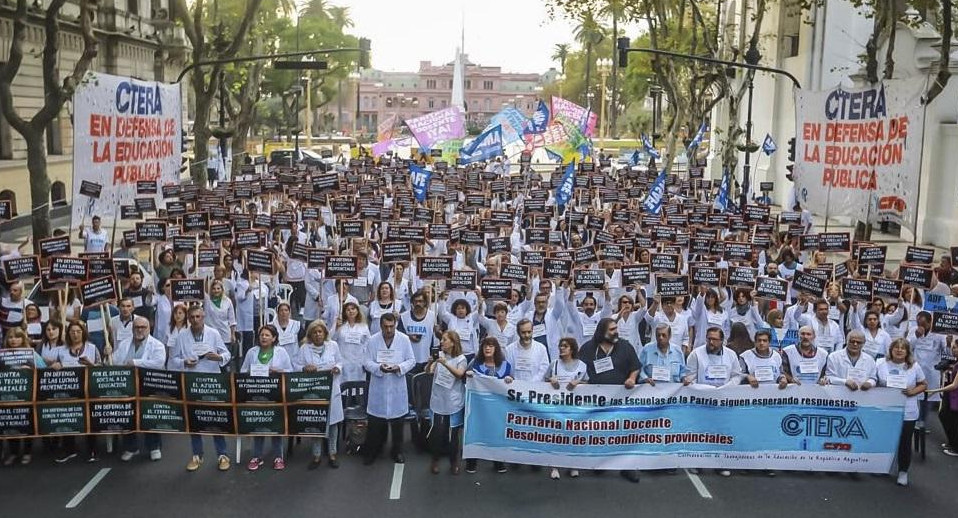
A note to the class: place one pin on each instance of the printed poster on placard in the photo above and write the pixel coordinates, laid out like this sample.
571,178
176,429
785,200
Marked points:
858,152
125,130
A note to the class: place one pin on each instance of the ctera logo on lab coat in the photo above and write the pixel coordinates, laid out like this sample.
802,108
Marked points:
823,426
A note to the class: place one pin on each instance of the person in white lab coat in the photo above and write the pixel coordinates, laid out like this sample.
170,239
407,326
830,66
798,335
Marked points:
899,370
850,367
290,330
352,335
447,402
145,352
389,357
220,313
529,359
267,359
319,353
201,349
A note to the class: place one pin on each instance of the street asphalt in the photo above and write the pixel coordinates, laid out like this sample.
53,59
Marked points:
145,489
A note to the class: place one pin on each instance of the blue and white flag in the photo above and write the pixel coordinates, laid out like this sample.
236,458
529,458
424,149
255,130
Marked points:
486,146
540,119
553,155
565,189
721,201
769,145
697,140
420,181
653,201
649,148
514,124
634,160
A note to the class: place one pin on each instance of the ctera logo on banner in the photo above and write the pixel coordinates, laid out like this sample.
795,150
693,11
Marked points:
486,146
858,152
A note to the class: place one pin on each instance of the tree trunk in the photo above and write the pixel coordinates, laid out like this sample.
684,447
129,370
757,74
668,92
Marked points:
201,138
39,184
588,73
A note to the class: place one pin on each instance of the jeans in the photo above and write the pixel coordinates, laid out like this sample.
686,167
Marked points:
332,441
275,446
196,442
151,441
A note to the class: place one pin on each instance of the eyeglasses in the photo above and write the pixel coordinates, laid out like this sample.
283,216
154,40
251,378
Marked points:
858,342
141,327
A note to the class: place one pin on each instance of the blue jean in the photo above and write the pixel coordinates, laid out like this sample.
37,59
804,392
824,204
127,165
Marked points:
151,441
332,441
219,442
275,446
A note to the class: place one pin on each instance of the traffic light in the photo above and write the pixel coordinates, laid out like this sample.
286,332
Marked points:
364,47
184,144
791,149
623,46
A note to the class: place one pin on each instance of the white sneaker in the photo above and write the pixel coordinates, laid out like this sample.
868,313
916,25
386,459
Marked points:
156,455
574,473
127,455
725,473
902,478
109,444
555,474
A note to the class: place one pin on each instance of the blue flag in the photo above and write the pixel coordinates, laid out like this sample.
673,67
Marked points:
486,146
420,181
697,140
653,201
553,155
769,146
635,158
721,201
565,189
649,148
540,119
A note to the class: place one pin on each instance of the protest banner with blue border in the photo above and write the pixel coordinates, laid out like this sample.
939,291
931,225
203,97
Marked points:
801,427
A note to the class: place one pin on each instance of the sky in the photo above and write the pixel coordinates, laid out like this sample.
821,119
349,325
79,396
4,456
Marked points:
514,34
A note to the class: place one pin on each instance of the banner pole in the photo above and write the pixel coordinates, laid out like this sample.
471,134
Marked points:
828,200
921,159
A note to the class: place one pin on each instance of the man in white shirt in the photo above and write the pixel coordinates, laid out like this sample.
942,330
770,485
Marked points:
95,240
389,356
714,364
121,326
143,351
828,336
679,322
529,358
850,367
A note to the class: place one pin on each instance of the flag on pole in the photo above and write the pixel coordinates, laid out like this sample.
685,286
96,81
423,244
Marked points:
769,145
540,119
564,190
420,181
553,155
653,201
649,148
486,146
634,161
721,201
697,140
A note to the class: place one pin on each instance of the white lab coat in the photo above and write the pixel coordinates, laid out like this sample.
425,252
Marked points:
324,358
186,347
700,362
279,362
354,339
388,395
153,354
289,337
528,363
840,367
220,318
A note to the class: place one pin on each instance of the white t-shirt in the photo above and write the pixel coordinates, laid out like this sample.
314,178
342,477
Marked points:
898,374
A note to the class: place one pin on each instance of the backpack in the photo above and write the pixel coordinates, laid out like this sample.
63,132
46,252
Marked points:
355,435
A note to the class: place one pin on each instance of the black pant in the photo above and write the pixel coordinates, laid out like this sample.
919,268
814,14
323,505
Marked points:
297,299
376,436
904,445
444,440
949,421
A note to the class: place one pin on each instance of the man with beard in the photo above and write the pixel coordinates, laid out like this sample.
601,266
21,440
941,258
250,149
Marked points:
610,360
419,324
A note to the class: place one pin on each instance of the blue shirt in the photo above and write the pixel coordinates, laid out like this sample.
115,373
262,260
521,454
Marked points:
652,356
503,370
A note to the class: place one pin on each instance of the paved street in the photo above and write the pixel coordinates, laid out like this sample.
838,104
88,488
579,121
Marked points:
164,489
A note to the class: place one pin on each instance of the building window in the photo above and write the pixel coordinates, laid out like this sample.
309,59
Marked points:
487,104
468,84
58,194
487,85
133,6
791,28
450,83
431,84
444,103
54,138
431,103
8,195
375,102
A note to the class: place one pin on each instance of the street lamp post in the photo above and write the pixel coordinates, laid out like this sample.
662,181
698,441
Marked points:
354,77
752,57
604,67
655,91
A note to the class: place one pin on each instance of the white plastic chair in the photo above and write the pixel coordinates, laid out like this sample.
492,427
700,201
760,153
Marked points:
284,292
270,316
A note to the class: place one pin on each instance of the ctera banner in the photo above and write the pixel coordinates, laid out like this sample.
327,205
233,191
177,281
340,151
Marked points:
813,428
858,152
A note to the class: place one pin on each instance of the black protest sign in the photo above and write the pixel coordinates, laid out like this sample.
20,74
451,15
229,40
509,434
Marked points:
6,210
635,274
532,258
240,222
202,387
72,270
352,228
756,213
501,218
221,232
184,244
144,204
90,189
310,213
742,277
393,252
261,419
150,232
834,242
53,384
170,191
159,384
309,386
588,279
663,234
316,258
735,251
306,419
766,186
262,221
857,289
919,255
27,267
99,267
211,419
258,261
809,242
284,220
808,283
556,269
412,234
612,252
258,389
944,323
129,212
790,218
498,245
61,418
161,416
872,254
496,289
111,382
771,288
53,246
841,270
98,291
176,209
531,206
439,231
664,263
824,273
515,272
672,285
707,276
584,255
537,236
208,257
342,267
434,268
249,239
886,288
17,420
146,187
16,384
462,280
328,182
194,222
187,290
871,270
916,276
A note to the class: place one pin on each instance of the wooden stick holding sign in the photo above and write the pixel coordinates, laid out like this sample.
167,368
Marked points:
107,348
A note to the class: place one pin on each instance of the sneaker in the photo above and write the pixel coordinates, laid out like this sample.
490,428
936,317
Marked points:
574,473
471,466
279,464
64,457
501,467
770,473
93,458
950,452
26,459
223,463
725,473
902,478
555,474
9,460
194,464
127,455
254,464
156,455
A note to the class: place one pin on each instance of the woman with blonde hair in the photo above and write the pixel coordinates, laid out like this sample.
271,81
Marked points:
319,353
447,401
17,338
900,371
352,334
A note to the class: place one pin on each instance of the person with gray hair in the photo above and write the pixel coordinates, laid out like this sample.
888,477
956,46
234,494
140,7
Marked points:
804,362
850,367
660,360
146,352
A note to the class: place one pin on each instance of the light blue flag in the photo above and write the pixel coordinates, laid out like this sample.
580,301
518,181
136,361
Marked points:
769,145
721,201
649,148
697,140
565,189
653,201
420,181
514,124
485,147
